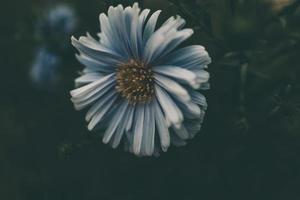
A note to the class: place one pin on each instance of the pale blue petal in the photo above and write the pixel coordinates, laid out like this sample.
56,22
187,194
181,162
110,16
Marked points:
161,126
198,98
98,116
181,132
190,57
138,129
147,147
180,74
87,89
151,137
88,78
128,15
110,97
129,141
96,52
173,24
121,128
115,121
165,39
171,111
94,65
141,22
104,40
80,103
117,23
175,40
92,39
150,26
130,119
134,31
146,129
172,87
177,141
202,75
205,86
190,110
108,34
157,40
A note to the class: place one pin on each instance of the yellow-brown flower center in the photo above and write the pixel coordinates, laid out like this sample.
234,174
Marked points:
135,82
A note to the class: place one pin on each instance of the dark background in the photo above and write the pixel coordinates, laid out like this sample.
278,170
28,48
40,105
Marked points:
249,145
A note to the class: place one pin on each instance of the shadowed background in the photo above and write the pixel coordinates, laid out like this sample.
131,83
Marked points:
249,145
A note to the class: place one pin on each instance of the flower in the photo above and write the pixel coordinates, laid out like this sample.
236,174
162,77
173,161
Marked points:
59,21
139,86
44,70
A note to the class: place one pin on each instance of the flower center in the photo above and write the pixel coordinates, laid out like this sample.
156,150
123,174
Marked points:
135,82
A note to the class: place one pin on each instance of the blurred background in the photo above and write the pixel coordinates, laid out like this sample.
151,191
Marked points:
248,148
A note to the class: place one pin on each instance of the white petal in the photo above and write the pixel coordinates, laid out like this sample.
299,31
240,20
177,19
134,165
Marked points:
198,98
117,23
202,76
104,40
181,74
172,87
80,103
83,91
96,52
165,39
91,94
161,126
190,57
110,97
173,24
150,144
146,130
107,33
181,132
138,129
147,147
176,39
130,119
141,22
91,45
134,32
95,65
88,78
121,128
128,142
177,141
158,39
119,114
128,15
170,109
189,109
205,86
193,127
100,114
150,26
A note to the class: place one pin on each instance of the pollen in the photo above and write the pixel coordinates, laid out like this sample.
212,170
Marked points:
135,82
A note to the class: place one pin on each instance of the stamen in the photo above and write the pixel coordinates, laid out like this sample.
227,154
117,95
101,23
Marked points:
135,82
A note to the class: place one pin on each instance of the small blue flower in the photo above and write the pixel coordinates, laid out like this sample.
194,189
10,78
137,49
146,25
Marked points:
44,69
138,84
62,18
59,21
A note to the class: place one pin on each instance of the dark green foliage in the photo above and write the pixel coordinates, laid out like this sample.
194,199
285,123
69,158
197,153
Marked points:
249,146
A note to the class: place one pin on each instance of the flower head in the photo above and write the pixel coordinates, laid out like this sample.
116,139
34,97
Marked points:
138,85
44,71
59,21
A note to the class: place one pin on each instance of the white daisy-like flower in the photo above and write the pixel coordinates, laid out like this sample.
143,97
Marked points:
138,85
